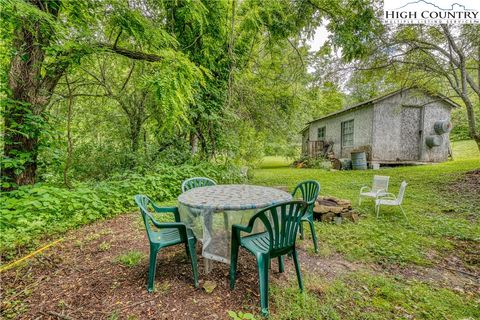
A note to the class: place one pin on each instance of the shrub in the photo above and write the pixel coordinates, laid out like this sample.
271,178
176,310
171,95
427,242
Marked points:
314,163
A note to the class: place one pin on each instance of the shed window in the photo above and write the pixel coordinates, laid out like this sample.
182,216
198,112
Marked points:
347,133
321,134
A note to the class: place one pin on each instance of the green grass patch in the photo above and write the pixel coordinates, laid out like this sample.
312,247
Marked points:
271,162
465,149
366,296
130,258
436,217
104,246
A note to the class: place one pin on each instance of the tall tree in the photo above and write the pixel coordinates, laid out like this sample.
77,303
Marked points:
48,36
440,58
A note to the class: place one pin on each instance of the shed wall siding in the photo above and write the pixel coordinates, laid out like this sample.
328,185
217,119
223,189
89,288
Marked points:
388,136
386,130
434,112
362,134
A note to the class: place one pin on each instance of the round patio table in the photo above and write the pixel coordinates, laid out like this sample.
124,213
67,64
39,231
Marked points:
212,210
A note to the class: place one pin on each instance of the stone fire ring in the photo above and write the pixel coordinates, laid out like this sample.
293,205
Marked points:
328,207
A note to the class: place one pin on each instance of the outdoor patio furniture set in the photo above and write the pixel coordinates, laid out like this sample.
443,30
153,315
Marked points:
264,221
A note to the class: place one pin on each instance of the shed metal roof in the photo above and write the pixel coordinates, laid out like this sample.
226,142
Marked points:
380,98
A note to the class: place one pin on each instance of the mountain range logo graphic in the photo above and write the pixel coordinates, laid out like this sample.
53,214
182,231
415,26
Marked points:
453,7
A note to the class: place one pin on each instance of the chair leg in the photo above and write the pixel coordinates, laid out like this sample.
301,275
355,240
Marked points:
262,261
297,268
302,235
377,209
233,263
191,252
281,264
401,208
359,201
152,267
314,235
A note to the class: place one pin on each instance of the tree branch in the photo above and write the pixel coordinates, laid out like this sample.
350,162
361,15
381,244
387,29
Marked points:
135,55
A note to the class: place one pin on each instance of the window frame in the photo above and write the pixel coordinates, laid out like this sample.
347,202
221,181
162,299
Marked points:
324,130
347,143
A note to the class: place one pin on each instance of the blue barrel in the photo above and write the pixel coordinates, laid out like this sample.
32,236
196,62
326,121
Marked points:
359,160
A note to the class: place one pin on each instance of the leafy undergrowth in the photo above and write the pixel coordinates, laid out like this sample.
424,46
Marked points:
30,213
362,295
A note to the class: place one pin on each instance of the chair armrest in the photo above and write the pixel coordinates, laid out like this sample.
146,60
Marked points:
173,210
365,188
381,192
236,229
387,196
239,227
169,225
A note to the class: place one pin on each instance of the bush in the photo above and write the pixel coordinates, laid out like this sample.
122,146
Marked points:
314,163
31,212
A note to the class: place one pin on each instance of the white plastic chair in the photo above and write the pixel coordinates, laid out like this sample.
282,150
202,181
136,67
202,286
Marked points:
379,188
390,199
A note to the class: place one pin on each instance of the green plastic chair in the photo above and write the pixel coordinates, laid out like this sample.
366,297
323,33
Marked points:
309,191
166,235
281,222
197,182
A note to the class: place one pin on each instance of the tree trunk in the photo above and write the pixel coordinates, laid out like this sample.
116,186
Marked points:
68,161
23,113
134,136
193,142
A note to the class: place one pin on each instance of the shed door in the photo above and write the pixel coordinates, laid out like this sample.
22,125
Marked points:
410,133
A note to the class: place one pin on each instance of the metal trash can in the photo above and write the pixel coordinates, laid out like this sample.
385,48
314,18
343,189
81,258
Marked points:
359,160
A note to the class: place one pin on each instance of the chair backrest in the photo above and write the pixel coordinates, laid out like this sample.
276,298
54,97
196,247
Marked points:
380,183
309,190
196,183
281,221
143,202
401,192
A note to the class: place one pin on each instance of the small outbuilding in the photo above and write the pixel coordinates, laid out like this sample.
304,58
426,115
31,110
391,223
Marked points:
407,126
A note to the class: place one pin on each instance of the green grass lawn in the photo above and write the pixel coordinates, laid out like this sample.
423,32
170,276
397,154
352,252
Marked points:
466,149
438,220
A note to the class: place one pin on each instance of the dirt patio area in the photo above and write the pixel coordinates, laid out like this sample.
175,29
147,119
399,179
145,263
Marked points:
81,278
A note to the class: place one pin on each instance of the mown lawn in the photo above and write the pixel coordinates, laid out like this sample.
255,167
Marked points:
442,223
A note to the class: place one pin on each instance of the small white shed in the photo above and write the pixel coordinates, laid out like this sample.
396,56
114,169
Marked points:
405,126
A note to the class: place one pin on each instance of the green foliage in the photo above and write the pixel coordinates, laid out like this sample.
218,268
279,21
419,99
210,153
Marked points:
460,129
175,93
29,213
30,126
313,163
131,258
465,149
